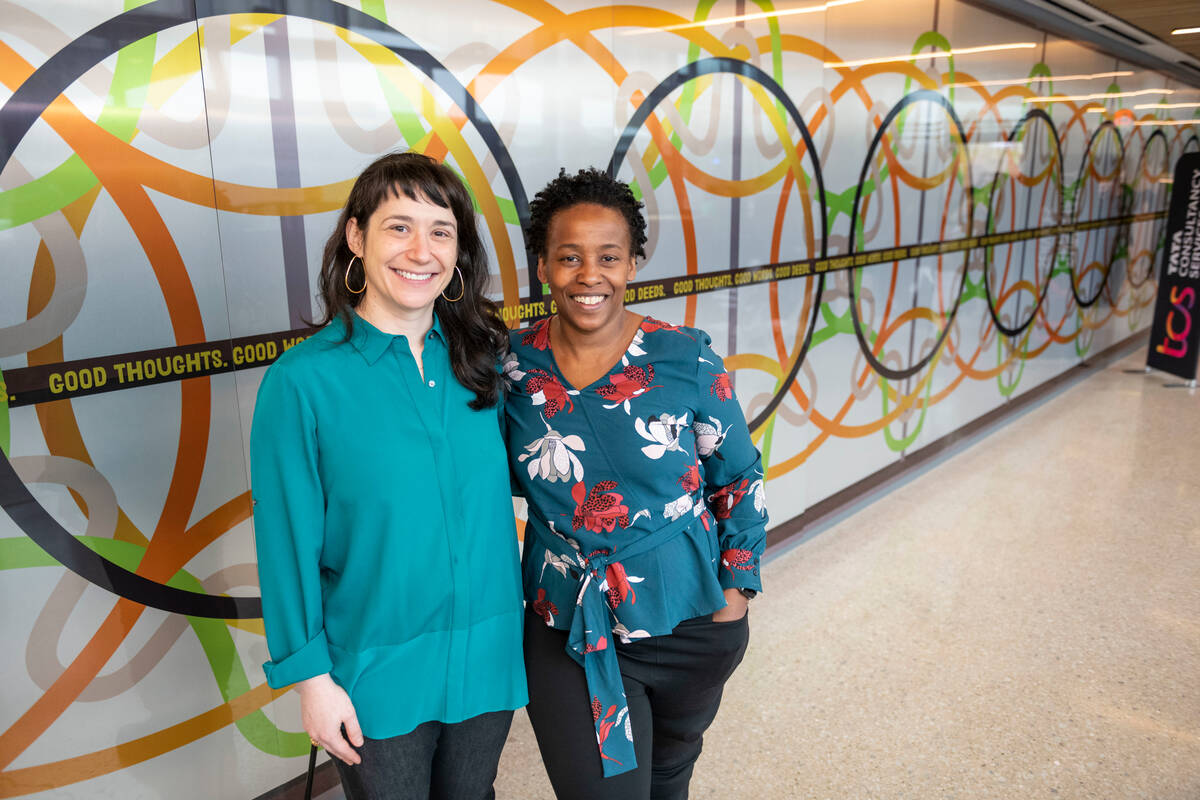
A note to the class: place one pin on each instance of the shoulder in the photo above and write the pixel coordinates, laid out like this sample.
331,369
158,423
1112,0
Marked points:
310,358
534,337
677,340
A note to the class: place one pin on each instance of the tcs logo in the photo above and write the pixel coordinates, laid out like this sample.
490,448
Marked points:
1174,344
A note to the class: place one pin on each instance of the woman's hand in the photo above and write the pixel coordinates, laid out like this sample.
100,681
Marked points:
736,606
324,709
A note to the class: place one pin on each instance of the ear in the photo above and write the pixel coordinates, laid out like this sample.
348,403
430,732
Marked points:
631,273
354,237
542,272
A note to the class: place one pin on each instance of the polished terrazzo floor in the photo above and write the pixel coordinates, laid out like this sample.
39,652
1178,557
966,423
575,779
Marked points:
1020,621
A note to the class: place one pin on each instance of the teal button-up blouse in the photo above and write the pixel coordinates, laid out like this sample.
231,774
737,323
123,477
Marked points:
387,552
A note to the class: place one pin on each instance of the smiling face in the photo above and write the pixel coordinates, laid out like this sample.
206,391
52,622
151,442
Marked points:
588,261
408,249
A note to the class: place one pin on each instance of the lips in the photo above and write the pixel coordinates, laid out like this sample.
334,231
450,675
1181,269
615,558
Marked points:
419,277
589,300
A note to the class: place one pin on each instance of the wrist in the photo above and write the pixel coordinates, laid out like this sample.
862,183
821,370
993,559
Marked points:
735,598
314,684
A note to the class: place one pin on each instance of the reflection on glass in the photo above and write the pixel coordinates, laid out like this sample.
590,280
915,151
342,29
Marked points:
956,51
704,23
1038,79
1157,106
1072,98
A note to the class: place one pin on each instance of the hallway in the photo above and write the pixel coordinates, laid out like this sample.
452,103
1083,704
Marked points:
1021,620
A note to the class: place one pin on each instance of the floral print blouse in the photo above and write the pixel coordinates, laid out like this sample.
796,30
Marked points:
645,500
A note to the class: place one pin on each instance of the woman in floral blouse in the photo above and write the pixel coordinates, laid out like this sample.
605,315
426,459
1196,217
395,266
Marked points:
646,510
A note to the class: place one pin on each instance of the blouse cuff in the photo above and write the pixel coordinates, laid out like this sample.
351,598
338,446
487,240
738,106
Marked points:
310,660
739,570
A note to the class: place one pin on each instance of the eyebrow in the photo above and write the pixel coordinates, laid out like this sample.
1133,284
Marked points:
608,246
405,218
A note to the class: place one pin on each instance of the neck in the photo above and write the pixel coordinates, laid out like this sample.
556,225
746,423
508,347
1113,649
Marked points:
580,342
396,322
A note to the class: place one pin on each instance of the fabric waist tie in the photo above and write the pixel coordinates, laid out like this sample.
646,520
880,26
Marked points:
590,643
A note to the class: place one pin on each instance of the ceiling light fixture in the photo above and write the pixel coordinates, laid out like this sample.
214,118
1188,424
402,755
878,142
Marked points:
783,12
1168,105
1167,122
958,51
1184,31
1039,79
1063,98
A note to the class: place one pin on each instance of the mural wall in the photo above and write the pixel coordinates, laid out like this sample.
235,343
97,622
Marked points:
892,215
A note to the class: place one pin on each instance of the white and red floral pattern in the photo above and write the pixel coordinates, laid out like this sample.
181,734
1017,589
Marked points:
652,473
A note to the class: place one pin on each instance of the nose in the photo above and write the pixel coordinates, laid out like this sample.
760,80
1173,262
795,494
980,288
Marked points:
589,272
418,249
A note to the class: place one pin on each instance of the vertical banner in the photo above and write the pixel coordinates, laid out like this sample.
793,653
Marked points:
1174,339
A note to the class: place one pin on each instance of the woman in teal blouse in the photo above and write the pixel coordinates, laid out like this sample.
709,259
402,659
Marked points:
647,516
383,518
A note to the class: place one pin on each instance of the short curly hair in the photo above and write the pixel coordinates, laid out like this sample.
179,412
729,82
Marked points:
589,185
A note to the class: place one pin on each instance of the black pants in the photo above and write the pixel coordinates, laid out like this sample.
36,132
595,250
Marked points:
673,685
437,760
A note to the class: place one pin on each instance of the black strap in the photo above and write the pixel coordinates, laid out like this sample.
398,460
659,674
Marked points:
312,768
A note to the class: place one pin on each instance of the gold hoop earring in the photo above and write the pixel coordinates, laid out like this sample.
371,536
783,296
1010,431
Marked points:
346,280
461,292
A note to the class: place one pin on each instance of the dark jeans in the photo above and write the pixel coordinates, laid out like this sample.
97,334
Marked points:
673,685
436,761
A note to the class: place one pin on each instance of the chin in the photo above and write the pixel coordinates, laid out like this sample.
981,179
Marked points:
591,322
416,303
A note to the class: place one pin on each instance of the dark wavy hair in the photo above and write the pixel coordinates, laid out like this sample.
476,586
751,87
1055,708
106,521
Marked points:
586,186
476,336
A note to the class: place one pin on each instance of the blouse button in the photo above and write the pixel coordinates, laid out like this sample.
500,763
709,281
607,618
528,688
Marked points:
432,384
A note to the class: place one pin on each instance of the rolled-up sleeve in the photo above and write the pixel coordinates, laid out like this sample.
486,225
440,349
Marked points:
733,476
288,529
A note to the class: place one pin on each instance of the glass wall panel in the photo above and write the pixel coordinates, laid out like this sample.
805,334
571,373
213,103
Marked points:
891,217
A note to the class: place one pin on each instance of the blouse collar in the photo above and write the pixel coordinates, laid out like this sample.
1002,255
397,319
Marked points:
373,343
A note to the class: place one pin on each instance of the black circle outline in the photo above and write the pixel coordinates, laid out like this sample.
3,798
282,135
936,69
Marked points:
732,66
1163,193
1079,301
1037,113
922,95
27,104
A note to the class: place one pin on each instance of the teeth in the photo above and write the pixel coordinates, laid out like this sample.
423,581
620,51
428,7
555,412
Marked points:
415,276
589,299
